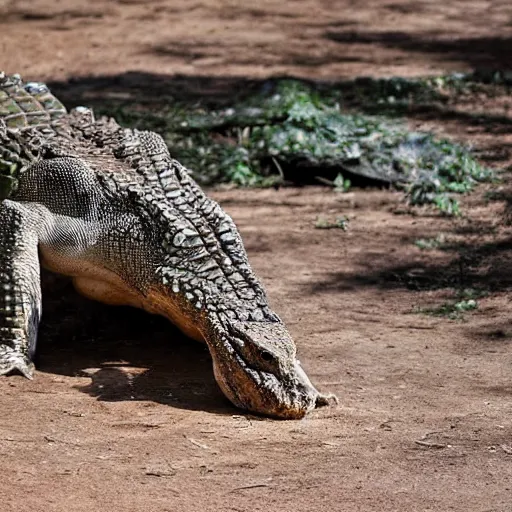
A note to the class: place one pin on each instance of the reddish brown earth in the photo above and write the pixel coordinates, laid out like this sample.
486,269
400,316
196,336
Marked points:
124,413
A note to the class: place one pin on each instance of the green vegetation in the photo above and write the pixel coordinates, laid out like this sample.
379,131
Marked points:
341,184
297,132
465,300
454,171
427,244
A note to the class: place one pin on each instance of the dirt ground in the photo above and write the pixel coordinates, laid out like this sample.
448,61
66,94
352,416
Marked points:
124,413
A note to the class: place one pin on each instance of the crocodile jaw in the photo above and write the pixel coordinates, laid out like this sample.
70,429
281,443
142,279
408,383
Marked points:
281,391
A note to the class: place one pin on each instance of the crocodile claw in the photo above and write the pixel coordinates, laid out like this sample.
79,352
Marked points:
12,361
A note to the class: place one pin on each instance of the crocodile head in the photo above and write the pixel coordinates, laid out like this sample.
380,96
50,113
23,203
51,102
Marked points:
256,367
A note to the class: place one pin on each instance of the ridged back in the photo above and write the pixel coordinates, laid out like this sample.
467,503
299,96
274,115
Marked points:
29,105
28,114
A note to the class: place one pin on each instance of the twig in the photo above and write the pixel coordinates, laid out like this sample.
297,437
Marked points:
250,486
159,473
430,445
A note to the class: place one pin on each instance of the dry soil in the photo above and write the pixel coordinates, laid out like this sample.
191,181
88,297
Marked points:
124,413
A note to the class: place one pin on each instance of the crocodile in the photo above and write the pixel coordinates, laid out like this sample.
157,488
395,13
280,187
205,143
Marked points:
109,207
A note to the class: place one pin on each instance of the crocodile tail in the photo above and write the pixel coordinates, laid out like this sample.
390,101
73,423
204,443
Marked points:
27,105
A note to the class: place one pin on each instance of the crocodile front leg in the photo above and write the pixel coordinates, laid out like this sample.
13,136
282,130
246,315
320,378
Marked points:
20,288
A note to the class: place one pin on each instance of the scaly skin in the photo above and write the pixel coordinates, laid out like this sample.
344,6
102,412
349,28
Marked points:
110,208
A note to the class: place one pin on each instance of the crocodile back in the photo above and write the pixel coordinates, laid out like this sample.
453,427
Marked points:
29,114
27,105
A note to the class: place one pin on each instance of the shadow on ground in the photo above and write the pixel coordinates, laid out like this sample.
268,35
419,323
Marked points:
155,89
482,266
477,52
129,354
493,336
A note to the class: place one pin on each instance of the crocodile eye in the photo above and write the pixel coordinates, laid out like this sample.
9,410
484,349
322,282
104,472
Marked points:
266,356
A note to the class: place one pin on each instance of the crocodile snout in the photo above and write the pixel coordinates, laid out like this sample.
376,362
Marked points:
287,396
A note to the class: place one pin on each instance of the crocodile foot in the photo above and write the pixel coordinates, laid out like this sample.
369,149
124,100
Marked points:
13,361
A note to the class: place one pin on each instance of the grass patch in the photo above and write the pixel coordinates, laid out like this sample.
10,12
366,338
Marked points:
465,301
